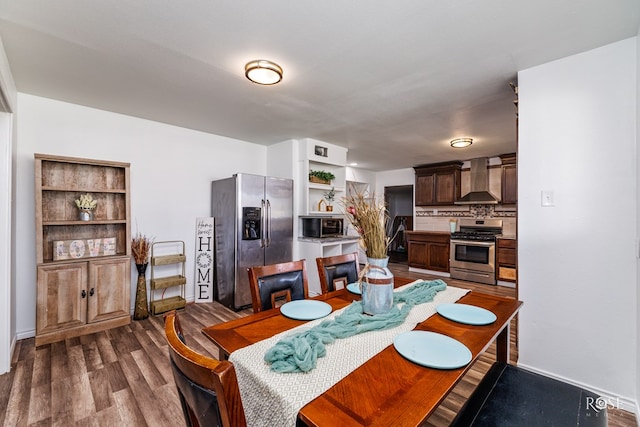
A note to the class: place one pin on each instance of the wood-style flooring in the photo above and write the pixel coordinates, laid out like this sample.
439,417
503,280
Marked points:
121,377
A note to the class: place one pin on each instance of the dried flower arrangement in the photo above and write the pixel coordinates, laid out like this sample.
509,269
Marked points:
369,217
86,202
141,248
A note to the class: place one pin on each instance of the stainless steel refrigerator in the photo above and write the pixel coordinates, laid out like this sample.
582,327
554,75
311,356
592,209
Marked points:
253,217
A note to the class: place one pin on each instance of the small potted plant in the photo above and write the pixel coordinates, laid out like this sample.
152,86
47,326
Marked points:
321,177
329,197
86,203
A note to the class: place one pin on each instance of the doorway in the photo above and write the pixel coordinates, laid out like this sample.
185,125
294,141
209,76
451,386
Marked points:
399,202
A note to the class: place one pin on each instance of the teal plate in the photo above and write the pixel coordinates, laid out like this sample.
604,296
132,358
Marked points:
305,309
354,288
467,314
432,350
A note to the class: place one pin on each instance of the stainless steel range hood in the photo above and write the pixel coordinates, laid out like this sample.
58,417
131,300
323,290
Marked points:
479,194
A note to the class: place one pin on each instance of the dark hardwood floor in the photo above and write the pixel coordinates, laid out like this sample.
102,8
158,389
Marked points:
122,377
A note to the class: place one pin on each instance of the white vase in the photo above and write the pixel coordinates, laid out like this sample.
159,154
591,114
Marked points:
377,287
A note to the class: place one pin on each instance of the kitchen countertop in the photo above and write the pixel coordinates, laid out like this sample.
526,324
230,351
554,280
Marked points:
499,236
328,239
426,232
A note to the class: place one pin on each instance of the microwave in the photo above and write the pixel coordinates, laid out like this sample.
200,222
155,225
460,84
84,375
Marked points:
317,226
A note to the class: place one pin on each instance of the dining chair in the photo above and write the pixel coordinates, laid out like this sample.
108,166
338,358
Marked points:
336,272
286,280
208,388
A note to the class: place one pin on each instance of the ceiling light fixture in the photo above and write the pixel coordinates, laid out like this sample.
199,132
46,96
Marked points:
263,72
461,142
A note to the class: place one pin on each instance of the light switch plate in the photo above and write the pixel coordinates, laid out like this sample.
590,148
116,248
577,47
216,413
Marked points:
547,198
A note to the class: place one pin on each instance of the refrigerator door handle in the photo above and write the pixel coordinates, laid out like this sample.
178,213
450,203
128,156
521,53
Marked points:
262,224
268,239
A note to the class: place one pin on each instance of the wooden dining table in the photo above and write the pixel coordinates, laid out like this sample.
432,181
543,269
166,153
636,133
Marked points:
388,389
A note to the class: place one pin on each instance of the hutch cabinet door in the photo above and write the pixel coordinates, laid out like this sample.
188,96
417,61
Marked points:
108,289
62,297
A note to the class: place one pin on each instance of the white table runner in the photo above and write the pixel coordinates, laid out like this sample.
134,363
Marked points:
274,399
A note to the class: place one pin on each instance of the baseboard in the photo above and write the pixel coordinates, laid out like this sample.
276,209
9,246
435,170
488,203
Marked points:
25,334
612,401
423,271
506,284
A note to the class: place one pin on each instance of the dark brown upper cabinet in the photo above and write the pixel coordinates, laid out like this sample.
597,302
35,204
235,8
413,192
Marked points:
438,184
509,179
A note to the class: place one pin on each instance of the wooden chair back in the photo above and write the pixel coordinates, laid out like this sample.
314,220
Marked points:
286,280
208,388
340,268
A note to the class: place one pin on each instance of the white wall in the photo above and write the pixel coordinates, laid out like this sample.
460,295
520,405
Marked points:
171,173
637,376
577,260
7,191
394,177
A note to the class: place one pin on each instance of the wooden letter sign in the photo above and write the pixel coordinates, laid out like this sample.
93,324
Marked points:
204,260
83,248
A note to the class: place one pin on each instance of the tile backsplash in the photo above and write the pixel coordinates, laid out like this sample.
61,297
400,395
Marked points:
437,219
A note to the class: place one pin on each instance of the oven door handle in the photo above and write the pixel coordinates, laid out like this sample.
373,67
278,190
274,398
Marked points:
473,243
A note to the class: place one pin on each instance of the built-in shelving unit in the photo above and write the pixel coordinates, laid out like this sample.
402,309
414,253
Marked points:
317,155
310,249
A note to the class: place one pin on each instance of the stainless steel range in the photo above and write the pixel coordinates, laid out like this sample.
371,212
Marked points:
473,250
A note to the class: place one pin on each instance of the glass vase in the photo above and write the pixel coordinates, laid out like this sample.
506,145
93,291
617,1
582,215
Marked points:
377,287
141,310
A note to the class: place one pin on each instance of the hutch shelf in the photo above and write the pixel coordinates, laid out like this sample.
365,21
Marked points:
83,267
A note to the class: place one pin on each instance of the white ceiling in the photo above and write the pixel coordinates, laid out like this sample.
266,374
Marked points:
393,81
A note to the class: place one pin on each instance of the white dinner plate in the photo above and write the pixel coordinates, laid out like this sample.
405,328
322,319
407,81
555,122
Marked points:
432,350
467,314
305,309
354,288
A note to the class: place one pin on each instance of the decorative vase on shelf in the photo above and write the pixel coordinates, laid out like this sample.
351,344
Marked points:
377,286
141,310
86,214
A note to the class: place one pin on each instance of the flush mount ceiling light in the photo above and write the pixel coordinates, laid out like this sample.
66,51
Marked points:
263,72
461,142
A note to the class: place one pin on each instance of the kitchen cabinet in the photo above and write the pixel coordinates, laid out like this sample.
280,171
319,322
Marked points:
83,267
509,179
506,259
429,251
437,184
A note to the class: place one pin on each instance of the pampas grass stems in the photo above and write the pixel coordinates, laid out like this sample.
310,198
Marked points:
369,218
141,248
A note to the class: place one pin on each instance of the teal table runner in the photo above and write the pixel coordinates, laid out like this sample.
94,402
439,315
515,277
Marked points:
300,352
